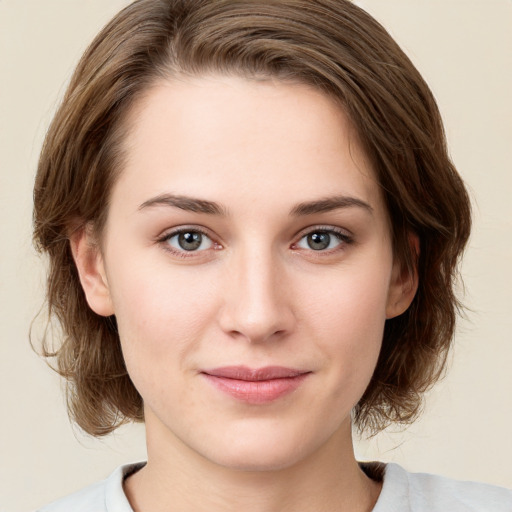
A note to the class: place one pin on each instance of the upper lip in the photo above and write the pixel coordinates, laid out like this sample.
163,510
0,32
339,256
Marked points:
254,374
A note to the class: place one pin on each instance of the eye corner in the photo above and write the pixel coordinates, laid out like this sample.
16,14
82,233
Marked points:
187,242
322,239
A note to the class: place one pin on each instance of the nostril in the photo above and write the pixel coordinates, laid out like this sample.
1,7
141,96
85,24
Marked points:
255,330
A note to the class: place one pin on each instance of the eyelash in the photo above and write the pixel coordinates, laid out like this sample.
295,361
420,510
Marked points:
340,235
183,253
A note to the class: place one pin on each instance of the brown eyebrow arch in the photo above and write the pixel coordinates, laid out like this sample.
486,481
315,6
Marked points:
192,204
189,204
329,204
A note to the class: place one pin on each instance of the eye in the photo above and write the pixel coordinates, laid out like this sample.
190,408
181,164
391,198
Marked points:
323,239
188,240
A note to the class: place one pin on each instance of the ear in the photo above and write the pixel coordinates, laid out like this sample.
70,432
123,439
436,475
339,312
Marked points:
404,282
91,270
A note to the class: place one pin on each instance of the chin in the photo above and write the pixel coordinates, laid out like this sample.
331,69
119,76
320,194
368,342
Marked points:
257,460
260,450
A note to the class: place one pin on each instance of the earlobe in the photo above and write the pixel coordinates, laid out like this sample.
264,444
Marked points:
404,283
91,270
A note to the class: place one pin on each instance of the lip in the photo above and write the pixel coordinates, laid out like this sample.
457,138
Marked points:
255,386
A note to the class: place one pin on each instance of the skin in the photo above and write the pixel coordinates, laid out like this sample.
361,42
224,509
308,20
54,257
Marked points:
254,293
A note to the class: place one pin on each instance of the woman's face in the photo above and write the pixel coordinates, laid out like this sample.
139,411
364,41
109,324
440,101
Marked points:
248,261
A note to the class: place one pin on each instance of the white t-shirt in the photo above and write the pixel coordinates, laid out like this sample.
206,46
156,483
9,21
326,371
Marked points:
401,492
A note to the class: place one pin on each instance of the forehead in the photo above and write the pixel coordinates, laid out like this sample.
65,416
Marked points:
229,138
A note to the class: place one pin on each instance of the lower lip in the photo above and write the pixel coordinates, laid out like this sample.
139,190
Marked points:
257,392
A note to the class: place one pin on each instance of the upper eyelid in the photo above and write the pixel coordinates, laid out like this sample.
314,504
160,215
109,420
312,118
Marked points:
324,228
170,232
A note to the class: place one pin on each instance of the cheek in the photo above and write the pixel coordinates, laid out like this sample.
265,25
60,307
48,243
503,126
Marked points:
161,314
348,324
352,303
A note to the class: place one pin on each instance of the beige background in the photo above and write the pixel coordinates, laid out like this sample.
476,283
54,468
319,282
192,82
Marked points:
463,48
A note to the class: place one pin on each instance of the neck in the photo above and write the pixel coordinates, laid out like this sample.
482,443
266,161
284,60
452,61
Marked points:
178,478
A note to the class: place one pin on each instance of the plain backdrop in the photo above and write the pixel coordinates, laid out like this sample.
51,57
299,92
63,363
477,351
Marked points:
463,48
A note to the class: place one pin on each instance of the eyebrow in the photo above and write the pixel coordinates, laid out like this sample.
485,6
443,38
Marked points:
195,205
189,204
329,204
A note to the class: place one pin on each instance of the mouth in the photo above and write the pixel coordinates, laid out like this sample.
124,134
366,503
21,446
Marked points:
255,386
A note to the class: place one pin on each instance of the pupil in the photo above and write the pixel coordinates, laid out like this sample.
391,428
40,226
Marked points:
319,241
190,241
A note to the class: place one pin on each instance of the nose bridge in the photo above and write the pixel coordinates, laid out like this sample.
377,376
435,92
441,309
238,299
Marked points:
256,305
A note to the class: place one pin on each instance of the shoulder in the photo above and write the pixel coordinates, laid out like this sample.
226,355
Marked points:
421,492
104,496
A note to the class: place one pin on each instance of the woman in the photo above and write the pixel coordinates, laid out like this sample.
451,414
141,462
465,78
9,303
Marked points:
253,228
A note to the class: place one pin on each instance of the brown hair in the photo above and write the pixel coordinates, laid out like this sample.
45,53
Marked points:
330,44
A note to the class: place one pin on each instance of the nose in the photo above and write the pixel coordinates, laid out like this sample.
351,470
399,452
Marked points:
257,304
